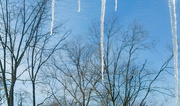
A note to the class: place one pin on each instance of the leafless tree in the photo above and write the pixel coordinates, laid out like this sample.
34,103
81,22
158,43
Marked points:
75,72
40,52
20,22
125,77
128,80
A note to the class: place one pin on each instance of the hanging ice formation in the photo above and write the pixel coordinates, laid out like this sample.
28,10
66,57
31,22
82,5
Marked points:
172,8
103,7
52,22
115,5
79,4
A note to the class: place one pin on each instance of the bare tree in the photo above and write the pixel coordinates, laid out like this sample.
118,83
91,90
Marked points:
128,80
77,73
125,78
40,52
20,23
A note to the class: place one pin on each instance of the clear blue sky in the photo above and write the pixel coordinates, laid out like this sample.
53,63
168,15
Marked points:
154,14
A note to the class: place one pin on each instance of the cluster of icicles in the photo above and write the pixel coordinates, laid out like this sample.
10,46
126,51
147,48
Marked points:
172,8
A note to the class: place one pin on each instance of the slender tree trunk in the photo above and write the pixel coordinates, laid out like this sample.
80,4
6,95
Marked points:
11,96
125,104
34,93
113,103
84,98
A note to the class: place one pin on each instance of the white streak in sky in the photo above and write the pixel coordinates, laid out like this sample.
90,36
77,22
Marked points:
115,5
103,7
52,22
172,8
79,4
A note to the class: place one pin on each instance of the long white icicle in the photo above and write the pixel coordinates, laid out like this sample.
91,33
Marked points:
79,4
103,7
115,5
172,8
52,22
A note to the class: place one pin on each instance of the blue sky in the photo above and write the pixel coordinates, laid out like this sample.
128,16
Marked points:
154,14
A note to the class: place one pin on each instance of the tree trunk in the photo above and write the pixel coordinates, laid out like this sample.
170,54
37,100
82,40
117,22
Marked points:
34,93
83,98
11,96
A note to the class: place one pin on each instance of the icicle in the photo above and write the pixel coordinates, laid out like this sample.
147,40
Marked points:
79,4
103,4
52,22
115,5
172,8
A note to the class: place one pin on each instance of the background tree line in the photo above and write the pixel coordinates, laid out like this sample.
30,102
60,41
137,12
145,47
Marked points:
67,72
